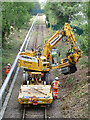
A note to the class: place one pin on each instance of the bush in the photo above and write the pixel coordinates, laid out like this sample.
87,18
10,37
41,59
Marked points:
83,61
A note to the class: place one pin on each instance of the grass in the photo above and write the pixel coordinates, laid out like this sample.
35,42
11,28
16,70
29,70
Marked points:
12,46
71,80
11,49
73,84
72,93
49,35
42,38
84,62
37,22
55,73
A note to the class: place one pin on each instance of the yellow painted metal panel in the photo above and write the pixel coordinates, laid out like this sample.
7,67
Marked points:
41,93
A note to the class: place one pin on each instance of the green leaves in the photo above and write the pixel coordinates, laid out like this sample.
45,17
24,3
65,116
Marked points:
61,12
76,14
14,14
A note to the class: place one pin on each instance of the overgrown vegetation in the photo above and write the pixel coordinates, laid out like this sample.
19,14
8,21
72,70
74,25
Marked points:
59,13
74,94
14,14
15,41
74,87
76,14
16,21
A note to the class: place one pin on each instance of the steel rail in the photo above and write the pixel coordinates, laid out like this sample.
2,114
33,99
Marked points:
45,117
24,114
7,83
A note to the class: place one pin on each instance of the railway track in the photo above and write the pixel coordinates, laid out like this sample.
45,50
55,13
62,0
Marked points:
36,36
13,108
34,113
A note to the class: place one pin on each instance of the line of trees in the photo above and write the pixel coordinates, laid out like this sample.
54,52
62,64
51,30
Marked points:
14,14
59,13
75,13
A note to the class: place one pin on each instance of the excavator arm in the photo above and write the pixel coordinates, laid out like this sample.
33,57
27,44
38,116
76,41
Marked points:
51,43
74,57
68,64
40,59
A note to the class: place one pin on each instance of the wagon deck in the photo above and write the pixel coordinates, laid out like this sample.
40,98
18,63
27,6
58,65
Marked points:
41,94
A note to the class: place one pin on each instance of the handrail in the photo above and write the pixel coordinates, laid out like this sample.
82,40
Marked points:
14,67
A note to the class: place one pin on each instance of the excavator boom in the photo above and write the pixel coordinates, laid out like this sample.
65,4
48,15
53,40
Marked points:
40,60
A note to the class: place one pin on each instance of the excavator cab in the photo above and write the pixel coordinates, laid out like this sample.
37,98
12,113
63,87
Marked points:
54,57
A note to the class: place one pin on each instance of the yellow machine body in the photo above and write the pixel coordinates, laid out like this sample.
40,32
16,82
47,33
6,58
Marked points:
28,61
38,61
35,92
41,94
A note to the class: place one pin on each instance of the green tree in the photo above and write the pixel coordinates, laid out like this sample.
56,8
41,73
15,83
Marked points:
14,14
81,20
76,14
59,13
37,5
36,9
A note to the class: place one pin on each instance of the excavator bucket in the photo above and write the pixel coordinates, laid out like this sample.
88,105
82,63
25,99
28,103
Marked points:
69,70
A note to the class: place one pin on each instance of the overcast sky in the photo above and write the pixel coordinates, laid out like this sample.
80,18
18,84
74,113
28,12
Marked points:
42,1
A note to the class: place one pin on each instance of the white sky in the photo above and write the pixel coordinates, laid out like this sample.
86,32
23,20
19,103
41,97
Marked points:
42,1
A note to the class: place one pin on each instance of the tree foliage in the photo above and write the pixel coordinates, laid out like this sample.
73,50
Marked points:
76,14
59,13
37,5
81,20
14,14
36,9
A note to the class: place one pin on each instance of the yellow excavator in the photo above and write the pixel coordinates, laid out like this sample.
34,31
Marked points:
41,59
38,62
